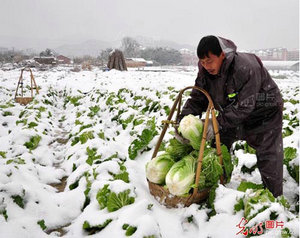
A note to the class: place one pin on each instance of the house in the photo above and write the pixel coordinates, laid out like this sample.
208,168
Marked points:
63,60
135,62
188,57
293,55
49,60
279,54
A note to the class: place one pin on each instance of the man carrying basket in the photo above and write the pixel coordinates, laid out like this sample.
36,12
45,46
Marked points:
248,101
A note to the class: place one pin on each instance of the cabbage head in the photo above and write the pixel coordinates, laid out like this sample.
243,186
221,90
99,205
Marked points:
211,169
178,150
158,167
191,128
181,176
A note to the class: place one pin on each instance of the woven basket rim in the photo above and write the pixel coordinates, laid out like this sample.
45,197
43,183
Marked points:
23,97
23,100
164,197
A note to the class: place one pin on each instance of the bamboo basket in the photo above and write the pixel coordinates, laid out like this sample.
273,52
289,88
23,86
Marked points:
20,98
162,194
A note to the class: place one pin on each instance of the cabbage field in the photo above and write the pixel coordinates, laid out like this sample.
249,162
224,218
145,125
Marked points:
72,162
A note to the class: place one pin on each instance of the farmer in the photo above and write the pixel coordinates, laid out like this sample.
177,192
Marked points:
248,101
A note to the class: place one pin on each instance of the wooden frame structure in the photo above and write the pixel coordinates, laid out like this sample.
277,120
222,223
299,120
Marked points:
20,98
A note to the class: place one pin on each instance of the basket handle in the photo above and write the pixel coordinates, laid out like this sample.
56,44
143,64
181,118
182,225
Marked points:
210,110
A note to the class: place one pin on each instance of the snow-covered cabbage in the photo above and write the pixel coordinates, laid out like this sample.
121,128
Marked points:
191,128
292,162
158,167
256,202
181,176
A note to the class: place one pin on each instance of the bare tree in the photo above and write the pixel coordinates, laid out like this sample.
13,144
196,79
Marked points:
47,53
104,55
130,47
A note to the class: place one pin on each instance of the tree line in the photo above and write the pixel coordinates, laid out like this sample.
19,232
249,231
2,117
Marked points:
133,49
130,47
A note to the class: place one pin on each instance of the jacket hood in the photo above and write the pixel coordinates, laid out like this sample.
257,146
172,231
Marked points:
229,48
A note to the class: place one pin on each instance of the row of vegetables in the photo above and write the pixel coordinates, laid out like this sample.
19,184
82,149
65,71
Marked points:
92,142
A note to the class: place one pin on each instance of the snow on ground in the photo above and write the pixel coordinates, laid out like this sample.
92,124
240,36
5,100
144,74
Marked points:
80,131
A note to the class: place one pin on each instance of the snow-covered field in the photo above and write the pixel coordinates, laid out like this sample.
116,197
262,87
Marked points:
72,162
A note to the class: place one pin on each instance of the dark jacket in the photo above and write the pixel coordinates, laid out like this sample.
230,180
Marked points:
257,106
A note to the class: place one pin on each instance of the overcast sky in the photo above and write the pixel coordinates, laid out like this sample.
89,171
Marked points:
251,24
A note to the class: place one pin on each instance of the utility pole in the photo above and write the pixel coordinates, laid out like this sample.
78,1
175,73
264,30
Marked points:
13,54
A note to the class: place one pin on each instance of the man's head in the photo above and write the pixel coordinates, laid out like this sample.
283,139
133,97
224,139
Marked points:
210,54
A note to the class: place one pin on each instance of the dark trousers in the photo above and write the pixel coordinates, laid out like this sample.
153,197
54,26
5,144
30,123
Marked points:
269,152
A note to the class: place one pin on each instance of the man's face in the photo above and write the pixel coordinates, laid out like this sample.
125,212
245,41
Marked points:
212,63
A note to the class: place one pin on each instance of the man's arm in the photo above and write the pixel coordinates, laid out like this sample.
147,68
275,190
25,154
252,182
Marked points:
235,114
197,103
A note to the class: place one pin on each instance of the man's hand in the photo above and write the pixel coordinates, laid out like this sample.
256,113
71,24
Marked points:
210,130
179,137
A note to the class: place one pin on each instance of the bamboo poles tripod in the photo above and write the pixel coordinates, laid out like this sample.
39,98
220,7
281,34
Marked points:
19,98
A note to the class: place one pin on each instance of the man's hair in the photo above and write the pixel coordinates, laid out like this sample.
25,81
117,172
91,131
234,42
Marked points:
208,44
